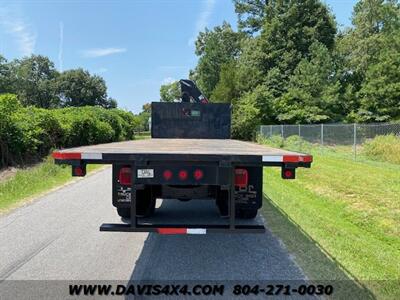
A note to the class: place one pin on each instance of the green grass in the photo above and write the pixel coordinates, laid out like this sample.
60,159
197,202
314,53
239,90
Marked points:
142,137
349,210
142,133
30,182
383,148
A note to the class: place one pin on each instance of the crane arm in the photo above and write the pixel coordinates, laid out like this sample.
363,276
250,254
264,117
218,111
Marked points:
191,93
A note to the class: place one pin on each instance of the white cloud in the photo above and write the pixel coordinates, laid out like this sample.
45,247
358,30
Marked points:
98,52
203,19
168,80
12,21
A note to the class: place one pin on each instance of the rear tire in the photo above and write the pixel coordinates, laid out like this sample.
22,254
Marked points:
145,205
124,212
240,213
247,213
222,203
141,210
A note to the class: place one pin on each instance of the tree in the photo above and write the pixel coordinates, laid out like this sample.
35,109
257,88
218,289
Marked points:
251,14
251,110
143,118
111,103
375,24
5,76
250,70
269,61
11,133
313,90
380,91
170,92
246,117
146,107
371,20
35,78
214,48
290,28
375,16
36,82
79,88
226,89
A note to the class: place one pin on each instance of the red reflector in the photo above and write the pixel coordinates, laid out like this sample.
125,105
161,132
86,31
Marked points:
62,155
78,171
172,230
241,178
167,174
288,173
297,158
125,176
183,174
198,174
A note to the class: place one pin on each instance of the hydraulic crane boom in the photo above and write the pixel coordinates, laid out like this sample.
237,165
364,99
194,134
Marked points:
191,93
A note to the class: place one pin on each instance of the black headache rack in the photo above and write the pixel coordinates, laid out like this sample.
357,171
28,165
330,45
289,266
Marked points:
190,120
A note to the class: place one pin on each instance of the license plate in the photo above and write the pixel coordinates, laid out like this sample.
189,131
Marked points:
145,173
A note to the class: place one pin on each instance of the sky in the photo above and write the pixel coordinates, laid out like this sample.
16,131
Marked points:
134,45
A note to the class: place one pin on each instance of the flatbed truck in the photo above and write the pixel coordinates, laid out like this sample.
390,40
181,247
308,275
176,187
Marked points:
190,156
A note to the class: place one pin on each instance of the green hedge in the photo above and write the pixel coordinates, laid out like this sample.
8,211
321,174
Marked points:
29,133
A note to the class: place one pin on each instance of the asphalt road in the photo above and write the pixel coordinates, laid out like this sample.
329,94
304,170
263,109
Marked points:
57,237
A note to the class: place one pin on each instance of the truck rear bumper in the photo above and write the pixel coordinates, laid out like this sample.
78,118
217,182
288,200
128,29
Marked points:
183,229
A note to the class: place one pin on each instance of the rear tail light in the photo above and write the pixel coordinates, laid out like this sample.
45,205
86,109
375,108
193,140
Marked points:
125,176
79,170
167,174
241,178
183,174
288,173
198,174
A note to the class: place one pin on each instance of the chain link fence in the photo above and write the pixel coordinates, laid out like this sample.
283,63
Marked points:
350,136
